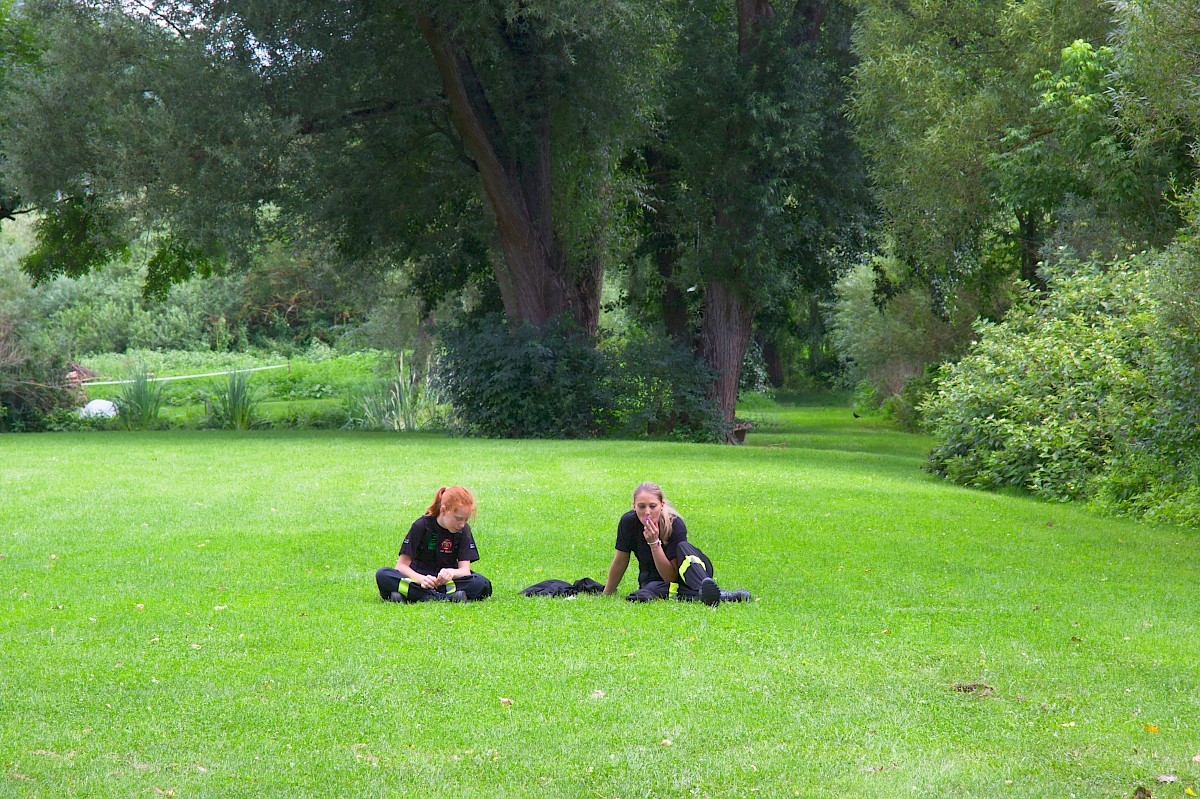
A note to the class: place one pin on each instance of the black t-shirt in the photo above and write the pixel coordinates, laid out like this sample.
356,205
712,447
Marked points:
631,539
433,547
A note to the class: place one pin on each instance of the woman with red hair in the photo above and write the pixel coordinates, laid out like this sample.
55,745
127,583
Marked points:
436,556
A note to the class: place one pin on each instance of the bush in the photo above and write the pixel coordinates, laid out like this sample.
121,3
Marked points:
1047,399
32,381
551,382
139,402
406,401
234,404
529,382
661,389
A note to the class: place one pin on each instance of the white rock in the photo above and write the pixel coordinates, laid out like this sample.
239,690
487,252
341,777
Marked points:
99,408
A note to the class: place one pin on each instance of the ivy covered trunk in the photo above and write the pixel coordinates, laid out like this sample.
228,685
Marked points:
537,282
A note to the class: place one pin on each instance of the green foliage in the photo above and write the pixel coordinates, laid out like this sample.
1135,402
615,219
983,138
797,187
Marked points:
1076,153
139,402
233,405
1068,386
937,85
73,236
406,401
661,389
886,345
32,380
551,382
527,381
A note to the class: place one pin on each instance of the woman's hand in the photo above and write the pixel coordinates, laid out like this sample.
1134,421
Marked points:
650,529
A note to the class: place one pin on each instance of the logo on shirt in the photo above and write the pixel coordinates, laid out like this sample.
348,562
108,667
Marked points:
447,544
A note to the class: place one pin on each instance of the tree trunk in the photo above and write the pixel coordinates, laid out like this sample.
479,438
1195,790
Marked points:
536,281
728,319
1030,243
773,358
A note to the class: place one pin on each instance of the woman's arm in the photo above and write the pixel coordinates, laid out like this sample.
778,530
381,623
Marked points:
667,568
616,571
404,566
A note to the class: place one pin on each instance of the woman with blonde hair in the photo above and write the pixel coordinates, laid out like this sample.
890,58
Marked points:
668,564
436,556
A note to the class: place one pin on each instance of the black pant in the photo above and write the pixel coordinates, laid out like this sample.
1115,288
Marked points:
390,580
694,568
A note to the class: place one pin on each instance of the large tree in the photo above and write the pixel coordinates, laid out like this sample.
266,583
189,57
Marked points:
758,180
491,130
939,86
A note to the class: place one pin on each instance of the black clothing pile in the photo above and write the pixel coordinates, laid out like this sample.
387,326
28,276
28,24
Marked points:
562,588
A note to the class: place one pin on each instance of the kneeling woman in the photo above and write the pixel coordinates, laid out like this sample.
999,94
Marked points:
668,565
436,556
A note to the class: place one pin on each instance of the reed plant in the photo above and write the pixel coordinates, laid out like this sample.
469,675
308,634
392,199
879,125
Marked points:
403,402
139,401
234,406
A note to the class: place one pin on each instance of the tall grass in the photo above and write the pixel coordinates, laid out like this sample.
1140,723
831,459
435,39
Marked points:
235,405
403,402
139,401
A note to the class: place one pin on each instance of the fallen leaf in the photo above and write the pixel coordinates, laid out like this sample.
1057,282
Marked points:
1141,792
506,702
666,741
195,646
979,689
219,607
1151,728
1167,778
1188,790
597,694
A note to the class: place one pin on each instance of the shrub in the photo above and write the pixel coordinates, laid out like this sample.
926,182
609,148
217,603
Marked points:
1045,399
526,382
661,389
888,344
406,401
32,381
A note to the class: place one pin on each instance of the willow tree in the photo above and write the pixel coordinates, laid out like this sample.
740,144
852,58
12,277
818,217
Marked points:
763,185
938,89
481,131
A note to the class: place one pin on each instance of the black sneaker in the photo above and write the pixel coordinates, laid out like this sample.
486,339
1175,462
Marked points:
710,592
457,596
396,597
740,595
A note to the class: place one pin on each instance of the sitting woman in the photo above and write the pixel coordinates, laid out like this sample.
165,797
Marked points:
668,565
436,556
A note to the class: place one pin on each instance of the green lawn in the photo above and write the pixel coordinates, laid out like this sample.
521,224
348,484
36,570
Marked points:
193,614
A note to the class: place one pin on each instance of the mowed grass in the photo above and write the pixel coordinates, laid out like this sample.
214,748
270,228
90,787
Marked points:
193,614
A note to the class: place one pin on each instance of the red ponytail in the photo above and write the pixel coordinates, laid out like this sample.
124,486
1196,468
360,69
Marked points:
451,499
